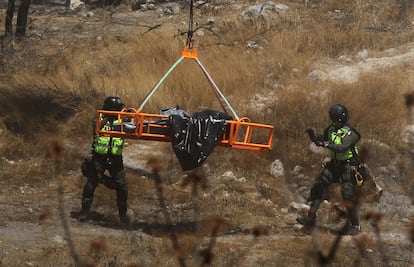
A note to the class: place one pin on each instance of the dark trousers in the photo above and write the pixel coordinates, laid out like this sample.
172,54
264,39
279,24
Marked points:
22,13
336,172
116,180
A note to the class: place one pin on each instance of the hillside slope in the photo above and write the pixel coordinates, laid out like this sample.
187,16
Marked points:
248,215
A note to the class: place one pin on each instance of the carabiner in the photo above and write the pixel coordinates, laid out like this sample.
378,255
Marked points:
358,178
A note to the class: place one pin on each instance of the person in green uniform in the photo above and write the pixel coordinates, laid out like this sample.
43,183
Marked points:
106,156
341,139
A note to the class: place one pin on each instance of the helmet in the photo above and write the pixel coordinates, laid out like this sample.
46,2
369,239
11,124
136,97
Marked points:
113,103
338,114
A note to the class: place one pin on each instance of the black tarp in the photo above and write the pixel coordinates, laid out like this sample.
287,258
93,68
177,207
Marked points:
194,138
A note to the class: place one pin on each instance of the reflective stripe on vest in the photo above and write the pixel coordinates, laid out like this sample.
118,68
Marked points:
103,145
336,138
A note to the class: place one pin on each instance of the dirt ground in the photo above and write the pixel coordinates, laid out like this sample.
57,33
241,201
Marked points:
247,217
254,224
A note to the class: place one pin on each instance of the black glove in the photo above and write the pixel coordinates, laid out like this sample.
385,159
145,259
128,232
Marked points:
320,143
311,134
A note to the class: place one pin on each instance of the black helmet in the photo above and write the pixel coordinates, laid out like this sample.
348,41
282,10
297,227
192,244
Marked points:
113,103
338,114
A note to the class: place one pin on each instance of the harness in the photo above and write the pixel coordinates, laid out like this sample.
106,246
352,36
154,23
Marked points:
336,138
349,157
108,145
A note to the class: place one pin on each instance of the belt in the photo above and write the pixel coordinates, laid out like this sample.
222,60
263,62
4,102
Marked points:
351,161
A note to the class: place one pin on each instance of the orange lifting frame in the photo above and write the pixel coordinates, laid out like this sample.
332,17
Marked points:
134,124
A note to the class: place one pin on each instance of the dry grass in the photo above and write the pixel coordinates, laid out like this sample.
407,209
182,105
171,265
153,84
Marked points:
129,65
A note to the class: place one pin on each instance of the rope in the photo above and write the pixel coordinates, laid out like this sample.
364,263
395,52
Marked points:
190,27
216,90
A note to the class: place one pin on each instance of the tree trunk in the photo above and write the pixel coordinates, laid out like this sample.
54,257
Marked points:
22,17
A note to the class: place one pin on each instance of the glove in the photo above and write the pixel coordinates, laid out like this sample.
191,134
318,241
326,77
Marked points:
311,134
320,143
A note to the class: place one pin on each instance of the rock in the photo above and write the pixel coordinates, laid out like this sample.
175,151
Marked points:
362,55
370,191
265,11
76,4
276,168
297,170
299,206
58,239
408,136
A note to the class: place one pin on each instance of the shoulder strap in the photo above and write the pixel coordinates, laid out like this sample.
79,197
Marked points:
350,128
353,149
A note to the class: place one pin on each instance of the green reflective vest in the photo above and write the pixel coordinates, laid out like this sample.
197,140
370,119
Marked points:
336,137
108,145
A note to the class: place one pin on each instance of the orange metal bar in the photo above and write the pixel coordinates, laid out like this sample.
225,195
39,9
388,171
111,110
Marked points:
240,134
244,141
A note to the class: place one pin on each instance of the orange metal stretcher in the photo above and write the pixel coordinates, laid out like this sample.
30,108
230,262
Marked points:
240,133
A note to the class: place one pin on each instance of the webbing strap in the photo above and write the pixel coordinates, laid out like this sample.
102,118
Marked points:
219,94
159,83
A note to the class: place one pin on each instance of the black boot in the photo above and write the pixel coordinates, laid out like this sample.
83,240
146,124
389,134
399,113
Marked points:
353,229
121,200
122,211
307,220
124,220
84,213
